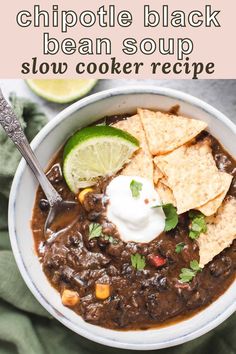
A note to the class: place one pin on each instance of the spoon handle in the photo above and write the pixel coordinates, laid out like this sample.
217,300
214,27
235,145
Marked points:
12,127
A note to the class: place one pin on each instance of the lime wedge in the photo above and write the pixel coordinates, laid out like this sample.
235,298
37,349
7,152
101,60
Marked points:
61,91
94,152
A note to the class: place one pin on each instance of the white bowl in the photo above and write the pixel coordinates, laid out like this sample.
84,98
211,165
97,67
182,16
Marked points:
46,143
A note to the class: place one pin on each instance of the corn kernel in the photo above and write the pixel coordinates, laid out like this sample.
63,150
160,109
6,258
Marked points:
82,194
102,291
69,298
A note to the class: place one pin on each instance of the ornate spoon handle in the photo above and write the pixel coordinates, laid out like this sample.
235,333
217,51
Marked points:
12,127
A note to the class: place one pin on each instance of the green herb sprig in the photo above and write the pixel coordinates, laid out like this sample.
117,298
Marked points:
95,231
187,274
138,261
135,188
171,215
110,239
179,247
198,224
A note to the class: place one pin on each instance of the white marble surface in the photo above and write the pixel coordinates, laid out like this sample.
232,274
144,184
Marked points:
219,93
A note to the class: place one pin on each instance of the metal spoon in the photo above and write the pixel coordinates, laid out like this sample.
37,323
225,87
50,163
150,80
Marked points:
58,206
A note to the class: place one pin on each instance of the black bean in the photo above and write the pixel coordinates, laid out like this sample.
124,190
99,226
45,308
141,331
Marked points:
127,269
44,205
93,312
115,249
198,298
93,215
77,279
215,270
157,282
73,240
67,274
163,283
221,266
112,270
102,242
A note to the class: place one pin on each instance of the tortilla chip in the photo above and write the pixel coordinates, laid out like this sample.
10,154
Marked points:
221,231
213,205
164,180
166,132
165,193
141,163
192,175
157,174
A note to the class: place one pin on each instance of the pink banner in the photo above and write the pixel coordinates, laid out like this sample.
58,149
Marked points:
119,39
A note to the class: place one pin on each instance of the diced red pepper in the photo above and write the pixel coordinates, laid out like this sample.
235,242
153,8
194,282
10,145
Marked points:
157,261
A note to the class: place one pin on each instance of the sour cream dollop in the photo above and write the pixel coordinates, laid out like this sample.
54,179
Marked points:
134,217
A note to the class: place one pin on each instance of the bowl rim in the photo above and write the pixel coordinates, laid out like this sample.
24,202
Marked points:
120,91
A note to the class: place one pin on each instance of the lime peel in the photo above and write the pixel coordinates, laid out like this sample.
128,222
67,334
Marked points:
94,152
61,90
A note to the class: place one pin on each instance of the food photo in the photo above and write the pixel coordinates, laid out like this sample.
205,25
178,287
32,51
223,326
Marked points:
121,204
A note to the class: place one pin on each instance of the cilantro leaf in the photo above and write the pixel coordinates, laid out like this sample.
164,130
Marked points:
194,265
187,274
172,218
198,224
170,212
179,247
95,230
110,239
138,261
136,188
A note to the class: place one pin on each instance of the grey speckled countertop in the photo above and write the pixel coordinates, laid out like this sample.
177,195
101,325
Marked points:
219,93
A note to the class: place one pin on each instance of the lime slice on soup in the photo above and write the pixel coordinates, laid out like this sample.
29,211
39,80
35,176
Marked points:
61,90
95,152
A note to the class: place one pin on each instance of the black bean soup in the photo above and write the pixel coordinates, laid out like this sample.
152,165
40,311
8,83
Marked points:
138,299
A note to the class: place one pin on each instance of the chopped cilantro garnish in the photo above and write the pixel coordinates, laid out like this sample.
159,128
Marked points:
179,247
138,261
197,225
95,230
110,239
171,216
187,274
136,188
170,212
194,265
